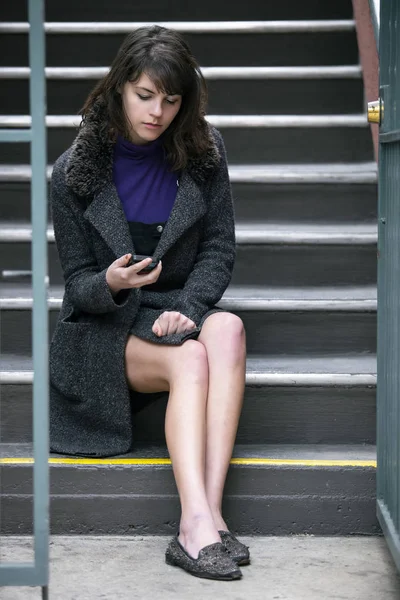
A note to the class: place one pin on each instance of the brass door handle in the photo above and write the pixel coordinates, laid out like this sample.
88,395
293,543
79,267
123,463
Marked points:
375,111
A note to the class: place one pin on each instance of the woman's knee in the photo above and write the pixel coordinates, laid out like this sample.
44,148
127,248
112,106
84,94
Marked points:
190,361
226,327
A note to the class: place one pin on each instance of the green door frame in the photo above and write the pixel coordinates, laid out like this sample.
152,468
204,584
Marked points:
388,381
37,573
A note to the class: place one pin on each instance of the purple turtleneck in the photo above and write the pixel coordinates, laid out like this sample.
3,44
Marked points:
145,185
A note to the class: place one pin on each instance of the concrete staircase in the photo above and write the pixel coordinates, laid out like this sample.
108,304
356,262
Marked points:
286,92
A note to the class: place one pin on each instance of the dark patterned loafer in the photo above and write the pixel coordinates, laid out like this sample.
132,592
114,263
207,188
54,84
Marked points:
236,550
213,562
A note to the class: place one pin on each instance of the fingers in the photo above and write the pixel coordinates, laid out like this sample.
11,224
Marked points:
122,260
156,329
114,281
138,279
172,322
120,276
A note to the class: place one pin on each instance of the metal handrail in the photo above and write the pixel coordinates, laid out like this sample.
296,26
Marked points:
374,6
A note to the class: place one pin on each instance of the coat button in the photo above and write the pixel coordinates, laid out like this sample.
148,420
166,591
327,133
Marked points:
160,228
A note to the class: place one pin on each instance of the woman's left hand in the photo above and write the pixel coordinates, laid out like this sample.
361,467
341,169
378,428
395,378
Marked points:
172,322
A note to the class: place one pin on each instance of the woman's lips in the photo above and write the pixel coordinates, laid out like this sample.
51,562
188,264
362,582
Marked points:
152,125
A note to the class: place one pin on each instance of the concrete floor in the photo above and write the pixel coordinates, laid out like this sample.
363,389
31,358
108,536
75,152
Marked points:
283,568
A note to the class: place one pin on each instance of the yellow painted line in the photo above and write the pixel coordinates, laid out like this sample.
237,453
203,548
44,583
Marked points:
303,462
89,461
166,461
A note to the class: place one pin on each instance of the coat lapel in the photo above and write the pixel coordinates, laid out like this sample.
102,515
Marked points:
106,214
188,208
89,174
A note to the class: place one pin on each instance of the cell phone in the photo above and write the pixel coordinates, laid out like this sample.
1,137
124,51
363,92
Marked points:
136,258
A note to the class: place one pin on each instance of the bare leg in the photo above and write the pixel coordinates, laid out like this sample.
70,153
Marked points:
224,339
183,370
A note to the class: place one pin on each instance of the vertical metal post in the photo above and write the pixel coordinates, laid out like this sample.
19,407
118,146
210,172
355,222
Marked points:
37,574
39,276
388,389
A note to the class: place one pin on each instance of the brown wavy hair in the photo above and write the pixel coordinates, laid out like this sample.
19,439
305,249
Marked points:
165,57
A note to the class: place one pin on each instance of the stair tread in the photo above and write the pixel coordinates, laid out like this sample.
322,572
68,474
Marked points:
367,292
295,452
218,120
209,72
267,226
261,232
212,26
330,364
308,228
23,291
285,170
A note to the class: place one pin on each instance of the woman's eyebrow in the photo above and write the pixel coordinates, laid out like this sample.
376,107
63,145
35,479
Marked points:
145,89
139,87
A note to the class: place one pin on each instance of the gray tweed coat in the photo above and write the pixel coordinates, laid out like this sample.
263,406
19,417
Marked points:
90,401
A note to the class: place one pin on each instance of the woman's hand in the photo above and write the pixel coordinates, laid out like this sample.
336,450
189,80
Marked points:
119,277
172,322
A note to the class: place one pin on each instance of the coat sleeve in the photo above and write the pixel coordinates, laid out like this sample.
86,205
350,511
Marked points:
85,282
212,271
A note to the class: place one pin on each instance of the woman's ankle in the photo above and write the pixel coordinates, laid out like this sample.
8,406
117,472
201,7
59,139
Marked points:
196,532
219,521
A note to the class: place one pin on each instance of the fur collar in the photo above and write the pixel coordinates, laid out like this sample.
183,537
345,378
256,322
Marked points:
90,161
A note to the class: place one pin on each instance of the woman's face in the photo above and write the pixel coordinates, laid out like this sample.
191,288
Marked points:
149,112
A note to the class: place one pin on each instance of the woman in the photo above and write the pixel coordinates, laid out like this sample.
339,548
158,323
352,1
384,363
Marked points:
147,174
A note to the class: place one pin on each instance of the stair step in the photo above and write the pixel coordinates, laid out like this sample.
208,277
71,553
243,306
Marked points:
276,371
124,11
19,297
288,399
295,265
225,121
251,233
242,73
306,489
276,321
285,96
248,144
302,455
343,203
339,204
306,233
334,173
97,27
267,254
288,413
266,332
290,43
277,264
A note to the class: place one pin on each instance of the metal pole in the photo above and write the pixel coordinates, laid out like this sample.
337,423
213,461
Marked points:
39,275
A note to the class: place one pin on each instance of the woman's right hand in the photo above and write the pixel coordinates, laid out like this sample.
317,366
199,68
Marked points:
119,277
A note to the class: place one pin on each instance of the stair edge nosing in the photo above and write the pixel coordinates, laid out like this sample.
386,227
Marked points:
258,379
235,304
358,173
254,26
244,235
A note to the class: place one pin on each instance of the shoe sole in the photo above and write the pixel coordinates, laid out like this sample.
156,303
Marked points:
232,577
